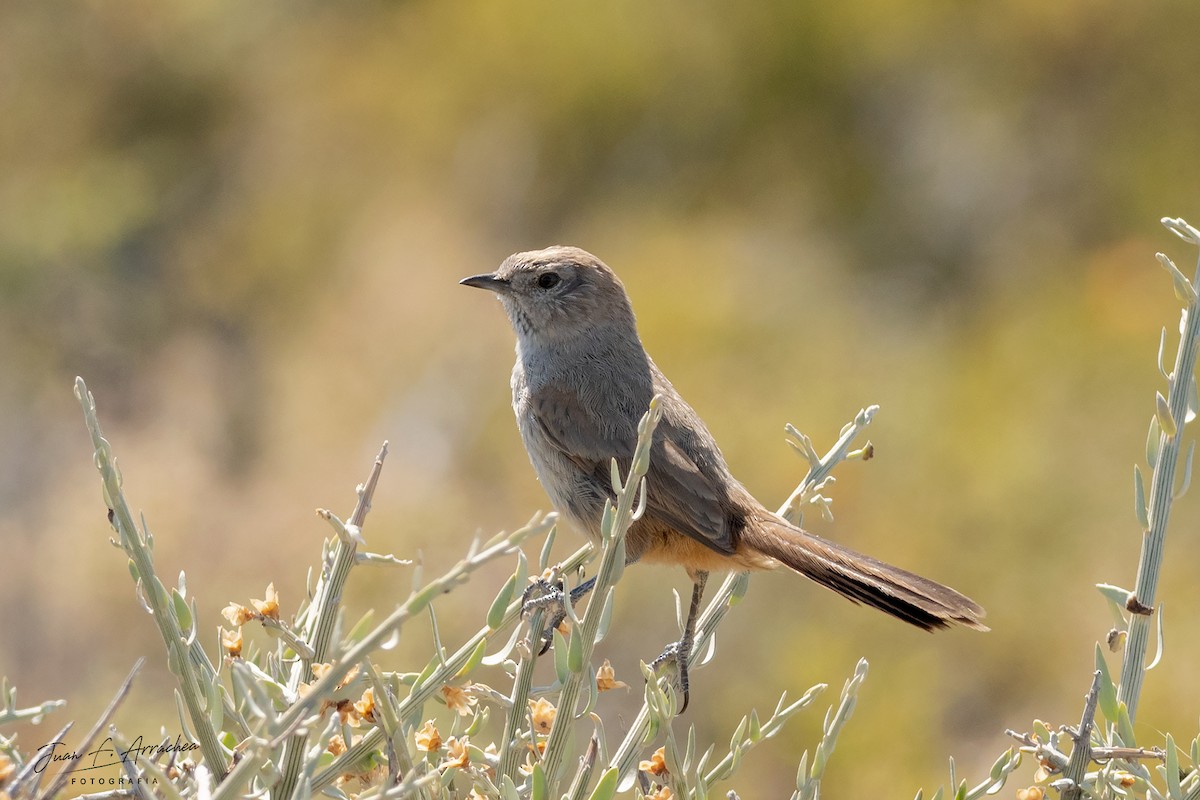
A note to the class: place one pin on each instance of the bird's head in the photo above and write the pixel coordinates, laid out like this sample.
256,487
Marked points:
556,294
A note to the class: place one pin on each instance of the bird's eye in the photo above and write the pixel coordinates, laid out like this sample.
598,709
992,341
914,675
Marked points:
547,280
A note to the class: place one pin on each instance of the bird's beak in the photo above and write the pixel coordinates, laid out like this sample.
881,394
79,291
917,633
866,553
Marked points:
487,281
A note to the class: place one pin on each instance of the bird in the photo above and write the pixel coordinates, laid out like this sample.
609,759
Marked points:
581,382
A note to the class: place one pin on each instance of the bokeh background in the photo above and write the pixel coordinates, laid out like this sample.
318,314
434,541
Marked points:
243,224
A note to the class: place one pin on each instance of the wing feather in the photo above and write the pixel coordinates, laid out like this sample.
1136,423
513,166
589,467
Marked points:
685,492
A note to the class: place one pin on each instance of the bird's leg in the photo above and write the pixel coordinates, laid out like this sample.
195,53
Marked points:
680,651
551,596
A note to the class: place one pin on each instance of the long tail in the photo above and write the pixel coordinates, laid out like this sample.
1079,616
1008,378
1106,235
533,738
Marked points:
916,600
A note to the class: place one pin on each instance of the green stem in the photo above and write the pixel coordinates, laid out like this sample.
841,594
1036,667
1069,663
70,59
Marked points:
1162,488
615,523
421,692
196,695
322,618
510,750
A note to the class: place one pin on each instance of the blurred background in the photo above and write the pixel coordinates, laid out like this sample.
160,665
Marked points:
243,224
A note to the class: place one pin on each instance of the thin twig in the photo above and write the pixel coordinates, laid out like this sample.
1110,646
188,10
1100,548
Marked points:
319,627
1081,754
368,490
1042,750
60,780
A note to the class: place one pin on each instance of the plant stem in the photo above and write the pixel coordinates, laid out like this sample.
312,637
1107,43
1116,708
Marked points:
1162,488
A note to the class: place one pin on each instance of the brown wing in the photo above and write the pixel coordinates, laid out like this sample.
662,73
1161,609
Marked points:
688,493
688,482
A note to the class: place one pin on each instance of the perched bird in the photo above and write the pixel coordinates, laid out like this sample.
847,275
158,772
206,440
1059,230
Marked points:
581,383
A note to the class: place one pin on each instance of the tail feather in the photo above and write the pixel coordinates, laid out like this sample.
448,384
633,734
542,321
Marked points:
862,579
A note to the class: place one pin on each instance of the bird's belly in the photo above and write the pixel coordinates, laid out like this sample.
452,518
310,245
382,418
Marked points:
658,545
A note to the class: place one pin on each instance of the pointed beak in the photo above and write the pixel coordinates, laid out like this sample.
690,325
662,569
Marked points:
489,282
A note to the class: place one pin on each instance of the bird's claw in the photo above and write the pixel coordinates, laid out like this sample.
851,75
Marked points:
541,594
679,652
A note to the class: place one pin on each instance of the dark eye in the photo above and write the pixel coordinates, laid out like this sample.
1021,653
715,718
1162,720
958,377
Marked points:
547,280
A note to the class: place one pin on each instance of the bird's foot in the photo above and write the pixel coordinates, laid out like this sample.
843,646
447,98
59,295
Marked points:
679,652
541,594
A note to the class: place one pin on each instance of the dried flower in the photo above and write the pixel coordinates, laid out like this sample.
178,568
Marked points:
1032,793
606,678
363,779
232,642
457,699
319,671
365,708
428,739
657,765
542,711
662,793
351,675
337,745
536,751
238,615
347,711
457,754
7,768
270,606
